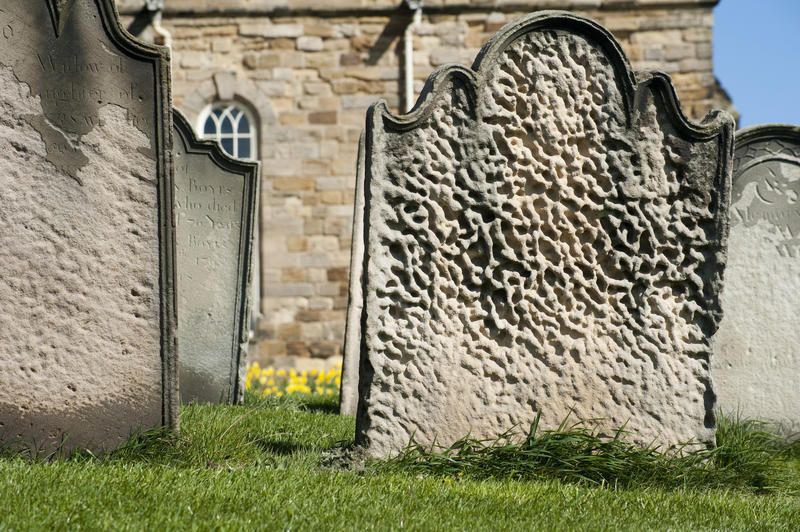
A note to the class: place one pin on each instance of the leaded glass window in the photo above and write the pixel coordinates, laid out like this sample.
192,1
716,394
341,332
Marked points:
233,126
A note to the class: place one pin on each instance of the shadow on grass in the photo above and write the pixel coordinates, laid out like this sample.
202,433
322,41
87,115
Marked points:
321,404
322,407
283,447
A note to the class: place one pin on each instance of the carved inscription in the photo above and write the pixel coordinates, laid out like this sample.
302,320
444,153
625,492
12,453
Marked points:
203,206
76,76
214,201
86,294
209,218
767,188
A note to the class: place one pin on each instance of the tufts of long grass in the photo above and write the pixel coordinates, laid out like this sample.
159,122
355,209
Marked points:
750,454
747,457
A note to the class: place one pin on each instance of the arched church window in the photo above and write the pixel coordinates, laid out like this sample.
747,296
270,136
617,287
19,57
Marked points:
233,126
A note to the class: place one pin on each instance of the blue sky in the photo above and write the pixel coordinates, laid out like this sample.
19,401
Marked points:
757,58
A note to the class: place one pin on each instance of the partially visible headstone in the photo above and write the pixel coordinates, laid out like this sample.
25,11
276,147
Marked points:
757,349
544,233
87,317
348,389
215,202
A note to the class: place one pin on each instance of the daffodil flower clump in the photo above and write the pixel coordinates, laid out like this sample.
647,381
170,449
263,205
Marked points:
269,381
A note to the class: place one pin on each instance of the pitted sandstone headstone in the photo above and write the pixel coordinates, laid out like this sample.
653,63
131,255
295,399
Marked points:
215,204
543,233
87,345
757,349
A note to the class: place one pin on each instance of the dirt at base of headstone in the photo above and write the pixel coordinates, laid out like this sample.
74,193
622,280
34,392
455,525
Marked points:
351,458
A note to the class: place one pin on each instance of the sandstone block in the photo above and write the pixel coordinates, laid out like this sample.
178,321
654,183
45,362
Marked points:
703,50
195,60
270,31
657,37
692,65
293,275
697,34
271,348
222,45
289,332
325,349
679,51
457,55
293,183
318,29
296,243
322,117
653,52
309,44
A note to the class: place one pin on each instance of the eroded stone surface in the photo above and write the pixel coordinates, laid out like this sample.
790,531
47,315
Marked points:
215,203
757,349
546,238
85,315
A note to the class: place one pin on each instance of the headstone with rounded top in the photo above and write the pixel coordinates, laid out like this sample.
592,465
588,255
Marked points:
757,349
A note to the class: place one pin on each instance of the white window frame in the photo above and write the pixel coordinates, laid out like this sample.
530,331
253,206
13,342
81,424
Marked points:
229,109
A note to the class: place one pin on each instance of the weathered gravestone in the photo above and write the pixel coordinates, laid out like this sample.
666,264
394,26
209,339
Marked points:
215,203
543,233
87,342
348,390
757,349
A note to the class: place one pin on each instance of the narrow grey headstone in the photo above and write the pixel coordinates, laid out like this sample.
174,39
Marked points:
87,317
757,349
543,233
215,204
348,389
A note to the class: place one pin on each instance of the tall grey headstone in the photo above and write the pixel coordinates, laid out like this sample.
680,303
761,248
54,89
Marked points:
543,233
757,349
87,316
215,203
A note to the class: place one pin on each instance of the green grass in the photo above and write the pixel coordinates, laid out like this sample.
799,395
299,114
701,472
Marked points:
748,457
257,466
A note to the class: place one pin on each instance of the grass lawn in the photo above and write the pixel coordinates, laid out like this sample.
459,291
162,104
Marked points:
257,466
